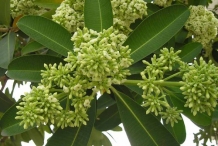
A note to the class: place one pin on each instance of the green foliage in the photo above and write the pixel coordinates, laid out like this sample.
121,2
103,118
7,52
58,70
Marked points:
144,57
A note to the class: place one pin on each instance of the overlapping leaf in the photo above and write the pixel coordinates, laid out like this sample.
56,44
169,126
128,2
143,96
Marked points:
98,14
28,68
108,119
5,17
7,45
142,128
156,30
76,136
47,32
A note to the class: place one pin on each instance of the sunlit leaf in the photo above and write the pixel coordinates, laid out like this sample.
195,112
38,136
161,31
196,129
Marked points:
142,128
98,14
156,30
47,32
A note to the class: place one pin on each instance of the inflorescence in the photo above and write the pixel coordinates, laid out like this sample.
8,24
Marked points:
70,14
198,83
98,61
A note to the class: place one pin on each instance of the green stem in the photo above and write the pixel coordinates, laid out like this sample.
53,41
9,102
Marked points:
56,90
68,104
61,95
160,82
173,75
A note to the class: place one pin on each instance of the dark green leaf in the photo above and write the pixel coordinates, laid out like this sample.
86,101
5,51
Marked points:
77,136
2,71
190,51
200,119
104,101
9,125
135,88
5,102
181,36
36,136
108,119
156,30
178,130
152,8
136,68
5,17
98,14
47,32
142,128
28,68
31,47
7,45
98,139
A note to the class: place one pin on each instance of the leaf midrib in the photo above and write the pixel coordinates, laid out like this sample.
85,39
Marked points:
151,38
44,36
136,118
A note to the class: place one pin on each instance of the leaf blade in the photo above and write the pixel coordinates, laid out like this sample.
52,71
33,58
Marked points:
28,68
5,17
136,121
54,37
156,30
7,45
98,14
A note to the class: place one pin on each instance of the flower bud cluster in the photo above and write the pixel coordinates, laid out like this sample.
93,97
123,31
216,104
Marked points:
163,3
202,25
98,61
201,86
153,94
126,12
70,14
38,107
24,7
101,58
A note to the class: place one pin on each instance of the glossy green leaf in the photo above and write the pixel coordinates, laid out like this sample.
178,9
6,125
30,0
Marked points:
28,68
200,119
5,102
7,45
190,51
97,138
31,47
36,136
105,100
108,119
76,136
136,68
9,125
178,130
156,30
47,32
135,88
5,17
142,128
98,14
51,4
